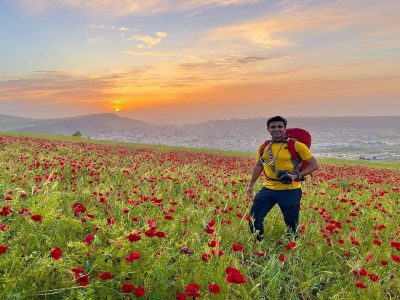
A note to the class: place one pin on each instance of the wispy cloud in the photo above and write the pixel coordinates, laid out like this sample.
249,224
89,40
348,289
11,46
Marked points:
53,85
277,31
148,41
111,27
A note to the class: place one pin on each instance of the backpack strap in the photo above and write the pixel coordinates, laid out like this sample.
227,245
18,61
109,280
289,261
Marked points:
292,150
262,148
261,153
296,160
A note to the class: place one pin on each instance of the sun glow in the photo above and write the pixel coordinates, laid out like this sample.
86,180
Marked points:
116,110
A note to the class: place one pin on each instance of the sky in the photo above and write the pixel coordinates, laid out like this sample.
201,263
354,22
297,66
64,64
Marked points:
175,62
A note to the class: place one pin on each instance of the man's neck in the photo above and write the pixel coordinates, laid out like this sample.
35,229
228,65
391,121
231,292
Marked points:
280,140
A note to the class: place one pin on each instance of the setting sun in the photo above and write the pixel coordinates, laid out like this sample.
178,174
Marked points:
117,109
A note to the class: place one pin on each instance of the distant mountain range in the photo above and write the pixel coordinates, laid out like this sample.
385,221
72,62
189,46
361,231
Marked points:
332,136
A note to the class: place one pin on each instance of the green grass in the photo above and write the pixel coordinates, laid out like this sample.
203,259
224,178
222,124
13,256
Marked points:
147,183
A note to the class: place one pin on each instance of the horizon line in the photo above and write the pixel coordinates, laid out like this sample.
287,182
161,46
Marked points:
205,121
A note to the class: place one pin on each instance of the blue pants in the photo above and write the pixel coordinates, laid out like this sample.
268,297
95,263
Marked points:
265,200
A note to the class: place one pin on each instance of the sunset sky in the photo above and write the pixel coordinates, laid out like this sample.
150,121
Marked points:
170,61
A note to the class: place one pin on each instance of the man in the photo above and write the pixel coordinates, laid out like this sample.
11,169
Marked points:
274,159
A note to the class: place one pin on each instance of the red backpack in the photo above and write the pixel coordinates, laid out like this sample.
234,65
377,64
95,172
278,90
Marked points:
293,134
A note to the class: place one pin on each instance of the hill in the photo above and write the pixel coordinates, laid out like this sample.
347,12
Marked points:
11,122
88,124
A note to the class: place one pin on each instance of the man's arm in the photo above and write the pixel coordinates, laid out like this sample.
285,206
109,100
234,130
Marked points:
312,166
257,170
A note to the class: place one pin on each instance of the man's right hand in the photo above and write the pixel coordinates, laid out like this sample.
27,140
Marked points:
250,192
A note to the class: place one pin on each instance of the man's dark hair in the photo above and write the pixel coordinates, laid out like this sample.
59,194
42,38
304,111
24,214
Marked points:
277,119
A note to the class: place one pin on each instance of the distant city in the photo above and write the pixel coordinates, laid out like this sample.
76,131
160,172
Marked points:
338,144
371,138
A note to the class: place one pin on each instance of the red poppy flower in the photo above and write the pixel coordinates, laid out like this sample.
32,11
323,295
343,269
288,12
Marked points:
133,256
110,220
374,277
211,223
4,227
396,257
24,211
180,296
377,242
394,244
90,216
3,249
234,276
139,291
209,230
384,262
206,256
133,237
237,247
361,285
151,223
127,287
88,239
354,241
291,245
216,252
56,253
213,243
37,218
192,290
77,271
363,272
151,232
104,276
282,257
160,234
83,280
78,208
369,257
214,288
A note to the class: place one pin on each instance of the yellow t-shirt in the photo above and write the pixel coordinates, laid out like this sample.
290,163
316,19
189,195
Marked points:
282,162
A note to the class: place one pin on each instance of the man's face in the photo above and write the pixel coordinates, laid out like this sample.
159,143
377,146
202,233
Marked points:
277,130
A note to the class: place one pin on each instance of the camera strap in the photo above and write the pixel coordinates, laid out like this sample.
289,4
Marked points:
271,156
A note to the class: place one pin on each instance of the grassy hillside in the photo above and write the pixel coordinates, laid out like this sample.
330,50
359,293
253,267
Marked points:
115,221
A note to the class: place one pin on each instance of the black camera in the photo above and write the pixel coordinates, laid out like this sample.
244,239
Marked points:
284,177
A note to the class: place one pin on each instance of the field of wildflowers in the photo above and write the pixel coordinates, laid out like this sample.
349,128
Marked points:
86,220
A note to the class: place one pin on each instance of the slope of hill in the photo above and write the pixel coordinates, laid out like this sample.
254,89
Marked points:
11,122
88,125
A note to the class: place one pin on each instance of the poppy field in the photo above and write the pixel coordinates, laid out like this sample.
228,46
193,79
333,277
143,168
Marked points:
87,220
